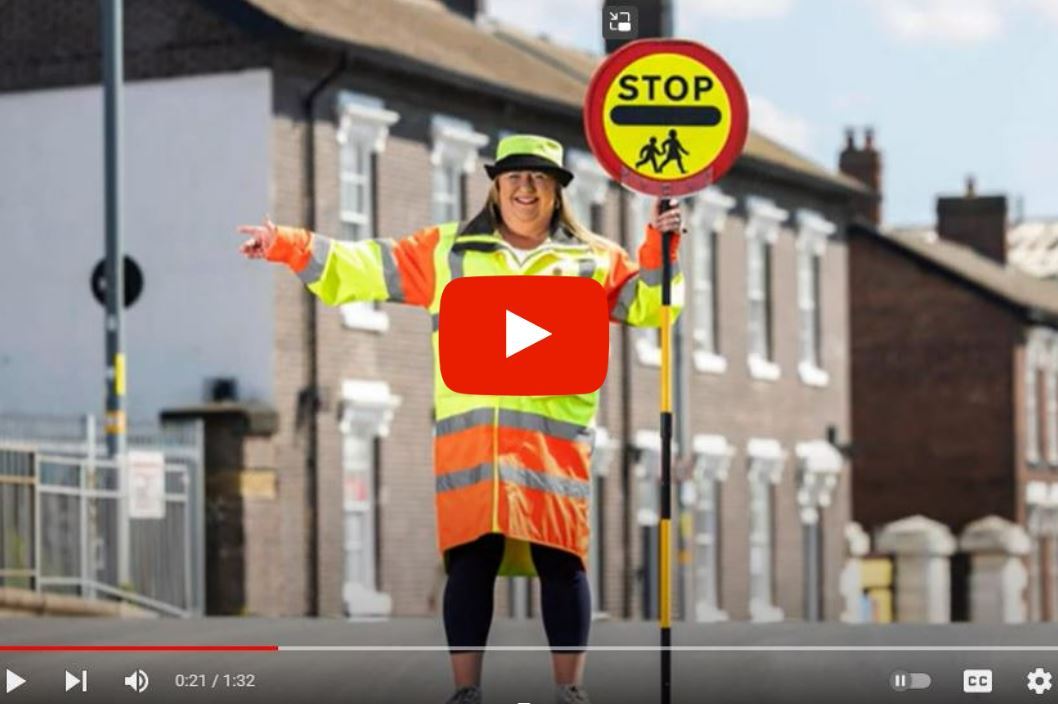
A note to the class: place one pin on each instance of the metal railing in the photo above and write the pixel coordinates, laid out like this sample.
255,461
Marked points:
66,524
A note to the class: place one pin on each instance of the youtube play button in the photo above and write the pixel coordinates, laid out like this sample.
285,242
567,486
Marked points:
523,335
520,333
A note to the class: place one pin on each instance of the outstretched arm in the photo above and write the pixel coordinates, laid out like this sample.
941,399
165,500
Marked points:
339,272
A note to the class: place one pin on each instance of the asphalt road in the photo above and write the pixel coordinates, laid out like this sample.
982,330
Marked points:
404,661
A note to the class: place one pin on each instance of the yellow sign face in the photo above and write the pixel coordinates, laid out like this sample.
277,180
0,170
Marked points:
667,116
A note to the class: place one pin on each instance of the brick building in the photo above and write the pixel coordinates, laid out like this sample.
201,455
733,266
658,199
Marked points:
954,376
320,479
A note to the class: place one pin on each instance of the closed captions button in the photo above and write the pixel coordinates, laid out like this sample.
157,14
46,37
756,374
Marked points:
902,681
977,681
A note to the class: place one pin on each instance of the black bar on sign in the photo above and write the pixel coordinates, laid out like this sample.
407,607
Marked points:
665,115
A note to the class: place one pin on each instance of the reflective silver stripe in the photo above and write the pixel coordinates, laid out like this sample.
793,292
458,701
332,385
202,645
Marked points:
435,321
625,298
562,486
586,267
652,277
455,263
463,421
389,272
524,420
464,477
521,420
321,247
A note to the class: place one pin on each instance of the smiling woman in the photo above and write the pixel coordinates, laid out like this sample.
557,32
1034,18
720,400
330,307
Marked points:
512,473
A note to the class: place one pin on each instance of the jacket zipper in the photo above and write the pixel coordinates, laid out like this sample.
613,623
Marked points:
496,467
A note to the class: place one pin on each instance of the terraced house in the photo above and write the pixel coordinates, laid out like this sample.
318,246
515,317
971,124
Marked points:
371,119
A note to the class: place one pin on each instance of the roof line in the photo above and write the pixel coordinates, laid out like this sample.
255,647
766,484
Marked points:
551,61
254,18
783,172
859,227
386,59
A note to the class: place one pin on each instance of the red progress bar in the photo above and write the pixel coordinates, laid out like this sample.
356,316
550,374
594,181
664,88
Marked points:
138,648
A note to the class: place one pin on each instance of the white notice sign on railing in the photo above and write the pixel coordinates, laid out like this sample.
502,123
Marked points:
146,484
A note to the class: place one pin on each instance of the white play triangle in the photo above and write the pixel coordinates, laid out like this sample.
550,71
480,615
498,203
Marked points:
13,681
520,333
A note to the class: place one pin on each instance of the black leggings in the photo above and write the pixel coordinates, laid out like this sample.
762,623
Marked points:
564,594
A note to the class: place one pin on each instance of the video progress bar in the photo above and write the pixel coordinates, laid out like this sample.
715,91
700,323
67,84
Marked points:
526,648
138,648
682,648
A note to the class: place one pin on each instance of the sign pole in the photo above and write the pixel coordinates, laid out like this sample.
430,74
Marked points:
665,118
111,19
666,425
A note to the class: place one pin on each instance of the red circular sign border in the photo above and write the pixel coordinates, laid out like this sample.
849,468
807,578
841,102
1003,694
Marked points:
595,132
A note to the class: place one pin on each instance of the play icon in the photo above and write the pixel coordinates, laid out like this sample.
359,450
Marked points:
520,333
523,335
13,682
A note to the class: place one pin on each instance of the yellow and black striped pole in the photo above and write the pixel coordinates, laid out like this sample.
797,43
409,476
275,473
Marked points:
665,525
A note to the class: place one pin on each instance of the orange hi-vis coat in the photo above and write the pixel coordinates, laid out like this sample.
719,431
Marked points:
520,466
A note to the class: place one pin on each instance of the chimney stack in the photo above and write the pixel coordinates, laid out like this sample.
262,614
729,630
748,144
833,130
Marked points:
865,165
978,222
655,21
467,8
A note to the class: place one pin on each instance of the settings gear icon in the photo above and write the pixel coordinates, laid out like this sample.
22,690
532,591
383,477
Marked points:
1039,681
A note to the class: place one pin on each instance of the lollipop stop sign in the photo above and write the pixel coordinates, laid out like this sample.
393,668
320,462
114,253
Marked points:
665,117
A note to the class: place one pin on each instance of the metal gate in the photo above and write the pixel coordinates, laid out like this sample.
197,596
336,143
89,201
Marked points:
66,524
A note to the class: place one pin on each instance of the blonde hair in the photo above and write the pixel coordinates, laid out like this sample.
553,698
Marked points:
563,215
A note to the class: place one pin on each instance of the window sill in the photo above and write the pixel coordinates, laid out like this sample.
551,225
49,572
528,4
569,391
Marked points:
812,375
760,368
360,601
765,613
648,353
709,362
707,613
364,316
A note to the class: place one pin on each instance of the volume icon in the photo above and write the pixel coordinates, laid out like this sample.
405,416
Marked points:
137,681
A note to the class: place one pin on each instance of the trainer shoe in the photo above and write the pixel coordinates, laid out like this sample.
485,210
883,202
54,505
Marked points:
466,695
571,694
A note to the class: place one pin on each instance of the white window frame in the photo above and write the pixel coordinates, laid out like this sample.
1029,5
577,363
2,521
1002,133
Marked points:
647,477
1041,523
1037,355
708,218
1051,374
647,340
712,460
812,234
454,154
366,413
762,232
765,463
604,450
589,186
363,123
818,469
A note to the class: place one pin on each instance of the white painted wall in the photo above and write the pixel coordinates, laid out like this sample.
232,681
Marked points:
197,163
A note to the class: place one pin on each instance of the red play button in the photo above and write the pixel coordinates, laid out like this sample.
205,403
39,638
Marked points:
523,335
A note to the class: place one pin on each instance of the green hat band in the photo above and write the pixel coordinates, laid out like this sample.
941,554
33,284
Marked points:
528,144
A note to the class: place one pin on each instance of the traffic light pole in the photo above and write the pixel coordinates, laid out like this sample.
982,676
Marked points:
116,424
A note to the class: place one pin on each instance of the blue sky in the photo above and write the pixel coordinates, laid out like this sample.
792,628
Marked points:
952,87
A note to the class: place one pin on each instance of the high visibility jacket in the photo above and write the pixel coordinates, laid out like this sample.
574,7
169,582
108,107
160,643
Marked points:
517,465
